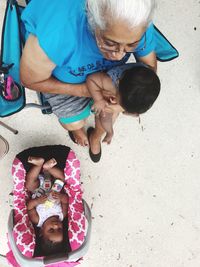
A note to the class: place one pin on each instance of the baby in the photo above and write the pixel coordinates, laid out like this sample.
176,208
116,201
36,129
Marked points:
131,89
47,208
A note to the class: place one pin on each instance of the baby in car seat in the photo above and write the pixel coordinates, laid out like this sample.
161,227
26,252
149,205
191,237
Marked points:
48,206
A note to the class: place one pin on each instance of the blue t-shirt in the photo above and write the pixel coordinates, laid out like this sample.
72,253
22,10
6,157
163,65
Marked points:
64,35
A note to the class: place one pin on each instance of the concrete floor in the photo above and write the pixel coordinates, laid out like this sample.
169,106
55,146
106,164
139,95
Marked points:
145,191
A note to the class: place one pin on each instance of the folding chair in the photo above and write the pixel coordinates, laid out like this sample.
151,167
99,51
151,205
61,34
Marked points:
11,48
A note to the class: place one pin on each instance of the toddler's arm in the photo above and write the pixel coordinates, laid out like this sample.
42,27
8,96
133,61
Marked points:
96,83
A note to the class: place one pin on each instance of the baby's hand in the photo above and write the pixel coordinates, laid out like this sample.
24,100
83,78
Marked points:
41,200
99,106
55,195
60,196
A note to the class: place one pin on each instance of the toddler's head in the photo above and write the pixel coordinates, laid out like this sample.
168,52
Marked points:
52,235
138,89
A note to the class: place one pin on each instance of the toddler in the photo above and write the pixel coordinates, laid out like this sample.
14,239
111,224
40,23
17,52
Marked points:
47,208
131,89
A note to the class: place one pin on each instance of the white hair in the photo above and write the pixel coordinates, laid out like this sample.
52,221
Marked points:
134,12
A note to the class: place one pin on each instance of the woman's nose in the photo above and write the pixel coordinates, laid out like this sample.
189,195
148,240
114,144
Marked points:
119,54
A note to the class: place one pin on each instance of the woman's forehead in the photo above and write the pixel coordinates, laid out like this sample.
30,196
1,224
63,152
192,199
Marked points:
121,32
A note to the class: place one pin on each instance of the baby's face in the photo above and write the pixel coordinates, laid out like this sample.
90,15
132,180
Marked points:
52,229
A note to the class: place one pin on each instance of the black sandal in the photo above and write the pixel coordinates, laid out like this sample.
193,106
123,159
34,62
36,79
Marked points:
72,137
94,157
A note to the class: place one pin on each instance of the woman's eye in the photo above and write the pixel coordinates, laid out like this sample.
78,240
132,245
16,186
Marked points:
109,43
133,45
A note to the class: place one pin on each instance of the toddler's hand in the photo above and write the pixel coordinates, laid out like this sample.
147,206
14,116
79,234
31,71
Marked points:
41,200
99,106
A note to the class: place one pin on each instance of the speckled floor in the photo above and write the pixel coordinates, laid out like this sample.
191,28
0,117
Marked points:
145,192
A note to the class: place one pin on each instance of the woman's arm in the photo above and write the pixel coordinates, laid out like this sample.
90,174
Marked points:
150,60
146,48
36,70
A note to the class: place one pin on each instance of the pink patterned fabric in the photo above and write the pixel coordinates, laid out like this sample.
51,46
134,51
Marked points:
76,218
23,229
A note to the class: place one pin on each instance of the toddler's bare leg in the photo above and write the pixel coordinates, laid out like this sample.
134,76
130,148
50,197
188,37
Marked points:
54,171
107,124
32,181
96,135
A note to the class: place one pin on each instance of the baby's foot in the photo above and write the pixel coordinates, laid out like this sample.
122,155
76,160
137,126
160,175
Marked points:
49,164
36,161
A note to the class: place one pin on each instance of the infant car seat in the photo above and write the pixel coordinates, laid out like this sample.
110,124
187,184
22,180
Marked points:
21,233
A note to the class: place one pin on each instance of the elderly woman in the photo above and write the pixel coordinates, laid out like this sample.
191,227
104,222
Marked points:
67,40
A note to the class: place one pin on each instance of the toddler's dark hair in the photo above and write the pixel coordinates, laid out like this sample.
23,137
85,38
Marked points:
138,88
